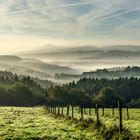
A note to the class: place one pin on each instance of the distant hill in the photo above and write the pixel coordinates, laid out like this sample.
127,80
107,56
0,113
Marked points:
32,67
75,60
80,48
113,73
83,52
11,76
123,47
9,58
49,68
115,54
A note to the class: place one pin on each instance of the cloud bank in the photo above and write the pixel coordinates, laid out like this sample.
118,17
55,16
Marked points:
71,19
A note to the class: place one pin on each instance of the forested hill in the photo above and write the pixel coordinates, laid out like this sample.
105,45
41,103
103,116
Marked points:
128,71
20,91
110,73
25,91
104,92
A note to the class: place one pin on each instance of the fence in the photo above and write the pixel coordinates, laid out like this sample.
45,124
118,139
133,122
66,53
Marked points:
70,111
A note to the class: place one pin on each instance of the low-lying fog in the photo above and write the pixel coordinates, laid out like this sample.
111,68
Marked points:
46,63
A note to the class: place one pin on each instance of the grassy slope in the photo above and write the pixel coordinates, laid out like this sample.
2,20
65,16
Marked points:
34,123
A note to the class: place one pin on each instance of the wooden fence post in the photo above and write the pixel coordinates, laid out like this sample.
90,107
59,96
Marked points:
90,111
127,113
97,114
120,116
55,110
58,110
68,110
103,111
50,109
72,111
62,111
82,116
113,111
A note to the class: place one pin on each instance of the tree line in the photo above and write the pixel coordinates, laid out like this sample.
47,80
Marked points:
90,91
15,91
87,92
114,73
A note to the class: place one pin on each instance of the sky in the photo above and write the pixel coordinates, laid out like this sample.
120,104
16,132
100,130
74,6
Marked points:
28,24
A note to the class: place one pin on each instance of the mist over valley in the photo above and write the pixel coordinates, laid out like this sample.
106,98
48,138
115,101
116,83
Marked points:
47,61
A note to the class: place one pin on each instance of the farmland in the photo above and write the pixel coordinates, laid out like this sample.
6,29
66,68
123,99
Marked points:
36,123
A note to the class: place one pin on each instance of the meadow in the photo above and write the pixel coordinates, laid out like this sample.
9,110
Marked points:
36,123
133,123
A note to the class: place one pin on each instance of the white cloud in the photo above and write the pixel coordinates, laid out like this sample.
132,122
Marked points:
69,19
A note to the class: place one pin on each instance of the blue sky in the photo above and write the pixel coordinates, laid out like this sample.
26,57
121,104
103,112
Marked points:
32,23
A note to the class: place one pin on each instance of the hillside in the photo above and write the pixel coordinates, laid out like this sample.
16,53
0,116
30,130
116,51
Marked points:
9,58
20,91
114,73
32,67
84,58
109,73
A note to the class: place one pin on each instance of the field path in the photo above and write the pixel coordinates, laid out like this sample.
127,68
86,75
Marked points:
34,123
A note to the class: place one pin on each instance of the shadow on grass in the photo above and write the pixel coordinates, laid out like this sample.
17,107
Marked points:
99,128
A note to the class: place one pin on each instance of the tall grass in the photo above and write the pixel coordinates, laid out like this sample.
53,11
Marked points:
109,123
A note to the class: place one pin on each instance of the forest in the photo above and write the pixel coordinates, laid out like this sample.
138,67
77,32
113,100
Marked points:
90,91
109,73
17,91
116,72
27,91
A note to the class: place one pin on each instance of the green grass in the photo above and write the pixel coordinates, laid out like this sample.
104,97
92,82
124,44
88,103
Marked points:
131,125
34,123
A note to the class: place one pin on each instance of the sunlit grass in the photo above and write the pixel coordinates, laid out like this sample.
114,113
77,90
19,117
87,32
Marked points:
132,124
35,123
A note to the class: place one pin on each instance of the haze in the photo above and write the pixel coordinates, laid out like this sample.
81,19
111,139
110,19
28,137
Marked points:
30,24
44,37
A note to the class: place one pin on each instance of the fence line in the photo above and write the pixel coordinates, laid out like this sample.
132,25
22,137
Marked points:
59,111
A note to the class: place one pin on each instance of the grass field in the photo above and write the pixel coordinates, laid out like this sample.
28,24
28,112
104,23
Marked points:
110,123
35,123
133,123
